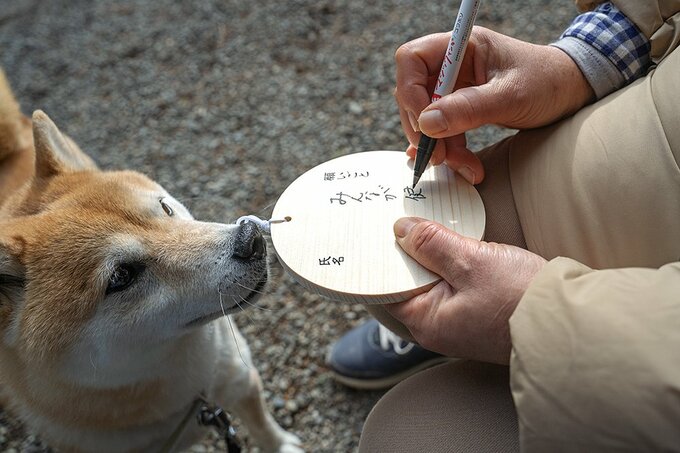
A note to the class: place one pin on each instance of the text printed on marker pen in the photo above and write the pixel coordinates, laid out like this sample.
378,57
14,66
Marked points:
456,48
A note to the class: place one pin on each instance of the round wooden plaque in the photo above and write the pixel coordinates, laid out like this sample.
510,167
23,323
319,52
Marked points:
339,240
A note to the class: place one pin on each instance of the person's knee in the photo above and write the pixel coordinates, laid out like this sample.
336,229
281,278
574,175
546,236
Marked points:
463,404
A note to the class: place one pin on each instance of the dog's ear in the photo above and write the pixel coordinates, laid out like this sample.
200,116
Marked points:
12,286
54,152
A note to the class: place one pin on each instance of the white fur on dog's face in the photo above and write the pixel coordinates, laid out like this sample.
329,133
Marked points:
184,275
183,279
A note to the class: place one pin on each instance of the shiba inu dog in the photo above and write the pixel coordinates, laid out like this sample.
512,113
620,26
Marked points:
112,301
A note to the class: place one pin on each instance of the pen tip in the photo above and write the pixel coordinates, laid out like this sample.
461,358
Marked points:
415,181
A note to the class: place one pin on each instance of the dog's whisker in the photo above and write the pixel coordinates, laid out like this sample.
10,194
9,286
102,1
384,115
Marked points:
232,328
221,303
266,211
244,311
257,306
249,289
239,305
235,282
266,208
246,301
233,334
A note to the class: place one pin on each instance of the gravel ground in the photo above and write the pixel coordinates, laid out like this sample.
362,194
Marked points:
225,103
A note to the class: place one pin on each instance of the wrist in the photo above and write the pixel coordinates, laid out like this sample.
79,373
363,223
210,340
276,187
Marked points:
573,91
601,73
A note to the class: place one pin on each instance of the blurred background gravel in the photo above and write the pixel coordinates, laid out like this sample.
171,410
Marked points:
225,103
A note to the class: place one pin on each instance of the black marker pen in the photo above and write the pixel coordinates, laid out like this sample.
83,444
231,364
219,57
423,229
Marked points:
447,76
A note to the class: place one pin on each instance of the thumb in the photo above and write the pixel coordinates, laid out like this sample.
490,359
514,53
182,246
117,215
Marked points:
431,244
463,110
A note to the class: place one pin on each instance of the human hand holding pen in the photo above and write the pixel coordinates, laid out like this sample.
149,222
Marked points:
502,81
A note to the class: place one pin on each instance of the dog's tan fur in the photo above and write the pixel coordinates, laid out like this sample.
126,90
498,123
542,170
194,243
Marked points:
95,371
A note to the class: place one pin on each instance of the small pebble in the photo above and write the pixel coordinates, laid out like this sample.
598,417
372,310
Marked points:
292,406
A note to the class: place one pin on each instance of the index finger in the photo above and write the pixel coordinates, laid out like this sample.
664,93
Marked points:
418,65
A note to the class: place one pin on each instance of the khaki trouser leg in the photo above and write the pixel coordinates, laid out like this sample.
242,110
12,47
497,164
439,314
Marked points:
462,406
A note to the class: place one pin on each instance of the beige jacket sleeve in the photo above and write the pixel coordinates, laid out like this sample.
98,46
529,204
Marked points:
659,21
596,359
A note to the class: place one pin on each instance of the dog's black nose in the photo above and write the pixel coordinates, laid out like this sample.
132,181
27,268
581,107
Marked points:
248,242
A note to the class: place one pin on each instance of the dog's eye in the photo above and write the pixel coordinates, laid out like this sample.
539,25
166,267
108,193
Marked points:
123,276
166,207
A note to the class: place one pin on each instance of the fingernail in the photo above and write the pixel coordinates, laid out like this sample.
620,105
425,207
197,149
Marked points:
411,151
432,121
413,120
467,173
404,225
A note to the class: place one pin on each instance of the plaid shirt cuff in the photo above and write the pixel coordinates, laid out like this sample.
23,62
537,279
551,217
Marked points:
608,31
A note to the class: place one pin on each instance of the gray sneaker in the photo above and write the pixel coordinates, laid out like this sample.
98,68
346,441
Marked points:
371,357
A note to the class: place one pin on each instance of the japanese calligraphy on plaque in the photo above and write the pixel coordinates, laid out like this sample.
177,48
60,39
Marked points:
340,240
